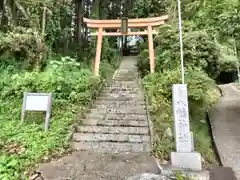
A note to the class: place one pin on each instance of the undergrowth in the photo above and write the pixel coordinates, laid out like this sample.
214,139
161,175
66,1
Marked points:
203,64
24,145
202,94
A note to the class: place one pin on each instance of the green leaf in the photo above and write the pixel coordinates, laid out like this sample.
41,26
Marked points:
12,163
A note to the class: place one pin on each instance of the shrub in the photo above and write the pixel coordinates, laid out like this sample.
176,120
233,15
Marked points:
73,86
21,146
200,51
110,55
8,167
22,44
202,94
63,78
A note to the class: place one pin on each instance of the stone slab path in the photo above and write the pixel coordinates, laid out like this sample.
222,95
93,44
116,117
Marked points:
225,122
113,140
85,165
117,122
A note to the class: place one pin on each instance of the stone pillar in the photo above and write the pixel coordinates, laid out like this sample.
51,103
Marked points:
185,157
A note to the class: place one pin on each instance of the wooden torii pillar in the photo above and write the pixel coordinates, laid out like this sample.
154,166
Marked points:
148,23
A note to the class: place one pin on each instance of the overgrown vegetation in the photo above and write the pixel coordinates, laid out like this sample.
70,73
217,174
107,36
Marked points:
22,145
41,50
179,176
202,94
209,51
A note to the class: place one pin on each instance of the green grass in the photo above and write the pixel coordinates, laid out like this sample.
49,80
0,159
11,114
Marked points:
203,141
164,144
160,106
27,143
22,146
179,176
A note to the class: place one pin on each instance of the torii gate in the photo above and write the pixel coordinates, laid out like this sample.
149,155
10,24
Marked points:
148,23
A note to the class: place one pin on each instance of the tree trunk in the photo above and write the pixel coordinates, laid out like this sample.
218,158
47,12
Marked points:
4,18
43,21
13,12
79,21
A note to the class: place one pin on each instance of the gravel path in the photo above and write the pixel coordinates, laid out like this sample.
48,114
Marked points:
225,122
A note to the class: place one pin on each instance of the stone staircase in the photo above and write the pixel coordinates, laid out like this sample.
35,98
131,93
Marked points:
118,120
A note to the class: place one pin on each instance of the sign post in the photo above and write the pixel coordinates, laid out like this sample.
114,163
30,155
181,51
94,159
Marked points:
124,25
124,31
37,102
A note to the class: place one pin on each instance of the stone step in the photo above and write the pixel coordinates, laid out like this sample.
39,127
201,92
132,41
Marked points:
119,106
122,78
129,83
108,86
122,90
127,72
111,147
135,82
114,106
114,116
118,123
127,67
119,111
121,95
109,102
119,92
127,75
107,98
122,85
113,130
110,137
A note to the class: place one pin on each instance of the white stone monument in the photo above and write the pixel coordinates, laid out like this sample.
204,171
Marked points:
185,157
